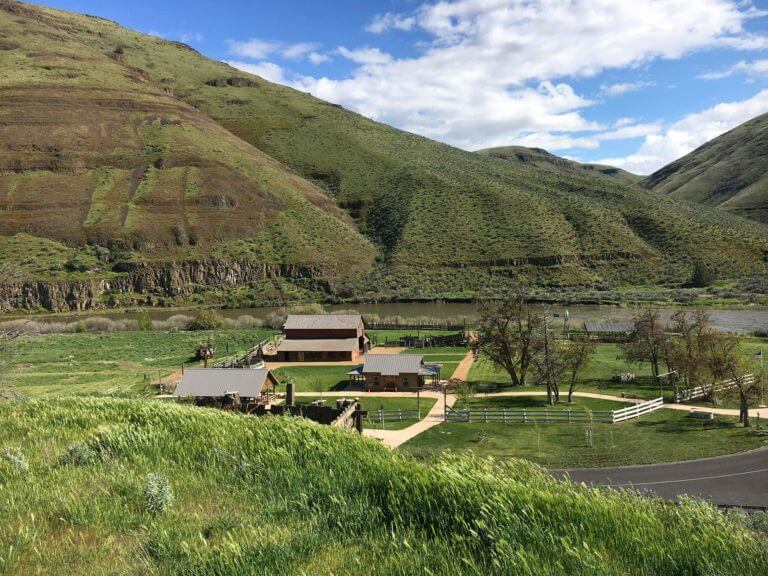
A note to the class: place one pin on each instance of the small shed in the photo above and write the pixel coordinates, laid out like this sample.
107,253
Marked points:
609,331
394,372
228,386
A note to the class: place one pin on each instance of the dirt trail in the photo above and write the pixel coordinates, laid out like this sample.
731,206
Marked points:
462,370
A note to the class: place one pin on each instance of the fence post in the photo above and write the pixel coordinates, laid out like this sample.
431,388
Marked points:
504,415
399,415
569,415
485,414
525,415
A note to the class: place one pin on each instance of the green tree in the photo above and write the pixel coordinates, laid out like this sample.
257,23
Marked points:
701,276
647,342
576,356
144,321
206,320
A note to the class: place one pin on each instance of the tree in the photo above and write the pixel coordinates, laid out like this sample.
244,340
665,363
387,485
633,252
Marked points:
546,358
206,320
576,357
464,391
686,348
726,362
647,341
505,335
701,277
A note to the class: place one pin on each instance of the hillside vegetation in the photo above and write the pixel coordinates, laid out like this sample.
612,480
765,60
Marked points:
730,171
546,161
136,487
145,145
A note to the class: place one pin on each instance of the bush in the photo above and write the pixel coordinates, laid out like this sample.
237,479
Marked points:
276,319
158,494
16,461
144,321
206,320
701,277
78,454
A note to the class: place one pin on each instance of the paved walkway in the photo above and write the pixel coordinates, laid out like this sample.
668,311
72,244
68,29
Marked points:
394,438
735,480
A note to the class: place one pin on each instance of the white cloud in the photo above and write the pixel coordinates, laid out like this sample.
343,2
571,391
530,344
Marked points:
365,55
318,58
267,70
623,88
487,74
689,133
258,49
752,69
383,22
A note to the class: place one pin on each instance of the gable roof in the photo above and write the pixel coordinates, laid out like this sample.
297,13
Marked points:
322,345
392,364
214,382
323,321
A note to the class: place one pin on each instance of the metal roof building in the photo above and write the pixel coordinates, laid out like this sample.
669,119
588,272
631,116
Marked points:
622,327
392,364
336,345
323,321
217,382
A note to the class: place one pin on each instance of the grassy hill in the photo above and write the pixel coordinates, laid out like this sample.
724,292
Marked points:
121,138
730,171
286,496
546,161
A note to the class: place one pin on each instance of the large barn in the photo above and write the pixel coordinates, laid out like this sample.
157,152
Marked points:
323,337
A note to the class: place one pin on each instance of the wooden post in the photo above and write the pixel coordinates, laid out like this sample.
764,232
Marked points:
418,401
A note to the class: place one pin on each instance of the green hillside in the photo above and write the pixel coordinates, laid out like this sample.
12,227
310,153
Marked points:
730,171
146,145
546,161
237,495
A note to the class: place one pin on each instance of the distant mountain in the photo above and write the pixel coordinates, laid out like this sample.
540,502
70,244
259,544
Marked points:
196,177
546,161
730,171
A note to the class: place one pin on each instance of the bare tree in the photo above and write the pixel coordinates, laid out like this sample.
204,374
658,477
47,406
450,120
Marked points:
505,335
726,362
647,341
576,356
546,357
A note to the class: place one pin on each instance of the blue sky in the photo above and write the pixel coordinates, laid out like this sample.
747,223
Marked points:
633,83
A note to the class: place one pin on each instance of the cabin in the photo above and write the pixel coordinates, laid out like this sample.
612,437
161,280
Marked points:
609,331
323,337
394,372
233,388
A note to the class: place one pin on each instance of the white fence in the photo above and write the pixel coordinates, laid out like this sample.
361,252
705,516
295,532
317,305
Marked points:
381,416
695,392
547,416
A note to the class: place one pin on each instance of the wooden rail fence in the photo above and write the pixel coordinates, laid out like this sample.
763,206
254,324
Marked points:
695,392
547,416
382,416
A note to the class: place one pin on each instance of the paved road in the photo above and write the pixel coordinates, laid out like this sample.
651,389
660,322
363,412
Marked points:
737,480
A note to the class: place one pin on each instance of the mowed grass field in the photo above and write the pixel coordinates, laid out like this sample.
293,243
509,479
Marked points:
663,436
114,362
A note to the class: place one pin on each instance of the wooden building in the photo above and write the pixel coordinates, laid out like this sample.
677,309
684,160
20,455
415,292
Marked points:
235,388
323,337
393,372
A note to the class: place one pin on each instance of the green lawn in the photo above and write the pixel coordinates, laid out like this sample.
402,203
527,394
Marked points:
663,436
598,375
386,403
114,362
315,378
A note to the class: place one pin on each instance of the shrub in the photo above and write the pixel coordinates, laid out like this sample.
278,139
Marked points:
206,320
144,320
16,460
78,454
158,494
701,277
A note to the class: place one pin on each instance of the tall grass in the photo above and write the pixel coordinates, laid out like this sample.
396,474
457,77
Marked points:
286,496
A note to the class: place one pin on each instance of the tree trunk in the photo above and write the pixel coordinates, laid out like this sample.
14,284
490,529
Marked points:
744,410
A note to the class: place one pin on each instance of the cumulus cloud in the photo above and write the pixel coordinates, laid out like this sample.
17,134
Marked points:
258,49
623,88
660,148
383,22
267,70
752,69
318,58
493,71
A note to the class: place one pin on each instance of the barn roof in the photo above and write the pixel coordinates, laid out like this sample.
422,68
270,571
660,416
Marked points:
623,327
323,345
322,321
392,364
215,382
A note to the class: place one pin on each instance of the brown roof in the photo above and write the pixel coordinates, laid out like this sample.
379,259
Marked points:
324,345
323,321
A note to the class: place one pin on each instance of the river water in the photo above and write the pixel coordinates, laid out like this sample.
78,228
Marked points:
738,321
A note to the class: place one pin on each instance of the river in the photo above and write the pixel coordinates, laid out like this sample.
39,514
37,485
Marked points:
738,321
